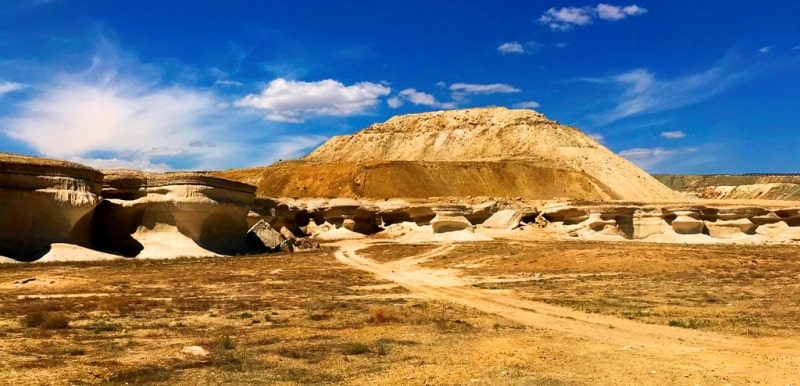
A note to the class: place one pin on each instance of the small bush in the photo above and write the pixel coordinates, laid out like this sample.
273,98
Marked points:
103,326
383,347
46,320
382,315
318,317
355,348
227,343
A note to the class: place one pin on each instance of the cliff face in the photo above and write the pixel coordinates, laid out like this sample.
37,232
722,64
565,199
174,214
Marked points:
141,209
488,151
44,202
124,213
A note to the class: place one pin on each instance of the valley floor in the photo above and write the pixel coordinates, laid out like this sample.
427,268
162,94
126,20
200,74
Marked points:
363,312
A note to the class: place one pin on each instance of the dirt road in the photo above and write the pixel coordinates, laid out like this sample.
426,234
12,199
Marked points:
734,359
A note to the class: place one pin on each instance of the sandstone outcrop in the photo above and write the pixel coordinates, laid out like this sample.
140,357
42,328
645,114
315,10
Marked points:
503,219
44,202
141,208
493,152
646,221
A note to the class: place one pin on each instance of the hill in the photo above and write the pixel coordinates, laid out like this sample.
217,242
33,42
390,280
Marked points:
494,152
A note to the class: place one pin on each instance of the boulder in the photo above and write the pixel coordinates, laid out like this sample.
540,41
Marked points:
730,228
43,202
450,218
269,238
503,219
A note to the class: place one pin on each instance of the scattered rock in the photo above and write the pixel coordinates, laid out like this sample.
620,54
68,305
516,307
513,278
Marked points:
195,351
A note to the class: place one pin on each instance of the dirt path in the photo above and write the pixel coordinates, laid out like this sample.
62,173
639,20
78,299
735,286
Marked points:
741,359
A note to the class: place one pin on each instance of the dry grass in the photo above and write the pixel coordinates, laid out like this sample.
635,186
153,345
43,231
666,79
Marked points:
304,318
270,319
746,290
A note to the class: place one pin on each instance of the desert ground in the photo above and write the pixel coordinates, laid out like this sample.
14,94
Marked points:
377,312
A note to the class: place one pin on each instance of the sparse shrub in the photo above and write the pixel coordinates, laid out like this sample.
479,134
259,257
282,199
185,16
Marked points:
245,315
227,343
355,348
383,347
382,315
103,326
317,317
46,320
692,323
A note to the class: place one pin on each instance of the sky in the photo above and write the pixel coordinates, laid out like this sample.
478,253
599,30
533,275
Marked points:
698,87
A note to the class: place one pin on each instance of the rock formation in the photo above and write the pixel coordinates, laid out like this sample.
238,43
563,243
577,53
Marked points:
165,209
648,221
44,202
494,152
749,186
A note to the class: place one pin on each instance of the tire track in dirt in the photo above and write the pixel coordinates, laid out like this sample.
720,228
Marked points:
770,360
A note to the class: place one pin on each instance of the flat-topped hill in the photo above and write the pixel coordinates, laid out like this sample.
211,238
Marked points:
495,152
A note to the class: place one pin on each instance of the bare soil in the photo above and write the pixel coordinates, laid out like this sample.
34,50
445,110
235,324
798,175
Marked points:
354,313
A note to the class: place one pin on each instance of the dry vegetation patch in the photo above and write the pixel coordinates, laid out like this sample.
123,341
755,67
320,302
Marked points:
740,289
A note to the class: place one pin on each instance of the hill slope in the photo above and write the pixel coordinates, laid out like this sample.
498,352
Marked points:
722,186
479,152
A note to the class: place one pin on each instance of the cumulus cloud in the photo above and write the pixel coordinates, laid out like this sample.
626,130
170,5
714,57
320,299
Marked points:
418,98
672,134
511,48
649,157
295,101
7,87
565,18
527,105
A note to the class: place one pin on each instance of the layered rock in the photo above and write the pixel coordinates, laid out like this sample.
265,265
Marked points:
646,221
494,152
726,186
141,208
44,202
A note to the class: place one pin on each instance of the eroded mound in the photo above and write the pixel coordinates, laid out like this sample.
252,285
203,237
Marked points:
43,202
487,151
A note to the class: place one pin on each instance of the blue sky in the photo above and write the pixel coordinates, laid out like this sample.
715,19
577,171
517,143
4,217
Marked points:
674,86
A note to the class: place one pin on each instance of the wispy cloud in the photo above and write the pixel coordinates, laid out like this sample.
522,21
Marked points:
118,113
672,134
461,91
565,18
527,105
647,158
418,98
597,137
511,48
8,87
643,93
765,49
295,101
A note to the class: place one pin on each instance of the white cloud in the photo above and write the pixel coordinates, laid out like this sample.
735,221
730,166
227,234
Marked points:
290,147
672,134
643,93
649,157
765,49
494,88
527,105
565,18
7,87
295,101
597,137
227,83
394,102
615,12
74,118
511,48
418,98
